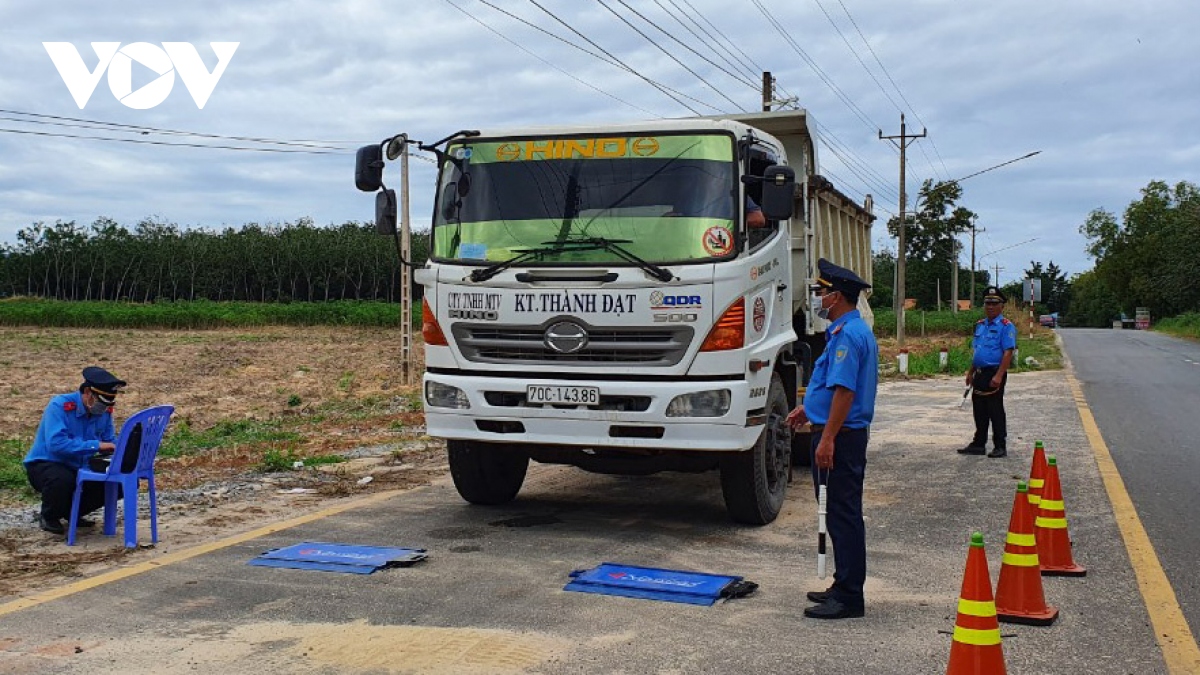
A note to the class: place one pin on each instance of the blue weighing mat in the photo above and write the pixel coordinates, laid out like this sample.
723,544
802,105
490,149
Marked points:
315,555
649,583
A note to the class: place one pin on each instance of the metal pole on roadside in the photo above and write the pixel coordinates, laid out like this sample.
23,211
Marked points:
406,367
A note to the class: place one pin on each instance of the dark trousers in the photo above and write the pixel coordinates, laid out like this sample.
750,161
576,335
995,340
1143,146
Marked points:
989,409
56,483
844,512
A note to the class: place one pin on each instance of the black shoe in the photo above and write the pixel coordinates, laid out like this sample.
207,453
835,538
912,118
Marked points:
84,522
972,450
819,596
998,452
834,609
52,526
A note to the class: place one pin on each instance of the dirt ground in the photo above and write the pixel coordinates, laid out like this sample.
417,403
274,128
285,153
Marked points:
352,401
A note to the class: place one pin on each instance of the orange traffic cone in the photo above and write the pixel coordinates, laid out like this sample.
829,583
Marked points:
1050,528
1037,476
1019,595
976,648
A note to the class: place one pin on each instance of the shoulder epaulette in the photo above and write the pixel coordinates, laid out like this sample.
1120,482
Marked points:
980,321
1004,321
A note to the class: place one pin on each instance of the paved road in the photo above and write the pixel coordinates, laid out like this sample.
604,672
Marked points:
1144,389
489,599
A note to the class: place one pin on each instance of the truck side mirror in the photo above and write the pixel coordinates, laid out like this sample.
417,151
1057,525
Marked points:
778,192
385,212
368,168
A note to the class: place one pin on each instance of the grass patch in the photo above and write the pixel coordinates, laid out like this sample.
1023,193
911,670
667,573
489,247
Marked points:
195,314
952,332
183,440
1184,325
12,469
275,459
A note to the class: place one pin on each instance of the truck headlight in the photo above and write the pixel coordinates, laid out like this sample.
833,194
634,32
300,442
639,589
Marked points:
438,395
713,403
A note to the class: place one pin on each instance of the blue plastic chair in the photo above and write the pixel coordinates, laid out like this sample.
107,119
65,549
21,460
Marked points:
153,423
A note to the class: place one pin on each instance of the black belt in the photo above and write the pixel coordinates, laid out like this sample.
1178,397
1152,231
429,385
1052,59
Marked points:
818,428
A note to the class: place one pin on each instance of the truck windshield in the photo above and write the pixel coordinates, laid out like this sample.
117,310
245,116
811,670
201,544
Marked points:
667,198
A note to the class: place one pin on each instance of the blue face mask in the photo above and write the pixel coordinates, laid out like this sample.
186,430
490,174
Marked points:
97,407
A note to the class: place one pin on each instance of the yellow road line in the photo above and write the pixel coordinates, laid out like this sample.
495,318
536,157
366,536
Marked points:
1170,626
179,556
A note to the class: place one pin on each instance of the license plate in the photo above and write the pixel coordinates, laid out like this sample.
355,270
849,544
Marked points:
567,395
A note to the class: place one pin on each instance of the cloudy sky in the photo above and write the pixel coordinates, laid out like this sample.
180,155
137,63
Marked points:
1109,93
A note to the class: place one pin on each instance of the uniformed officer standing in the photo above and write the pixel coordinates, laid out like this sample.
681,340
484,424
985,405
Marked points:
840,403
994,342
74,428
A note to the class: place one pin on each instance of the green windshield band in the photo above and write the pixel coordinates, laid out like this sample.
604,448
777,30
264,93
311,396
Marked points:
672,239
703,147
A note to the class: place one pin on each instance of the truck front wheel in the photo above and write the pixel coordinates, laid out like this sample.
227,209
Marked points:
486,473
754,481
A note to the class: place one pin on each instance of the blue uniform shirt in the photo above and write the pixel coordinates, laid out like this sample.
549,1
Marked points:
850,360
67,434
992,338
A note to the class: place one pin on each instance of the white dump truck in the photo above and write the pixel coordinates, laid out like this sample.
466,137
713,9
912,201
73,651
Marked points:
599,296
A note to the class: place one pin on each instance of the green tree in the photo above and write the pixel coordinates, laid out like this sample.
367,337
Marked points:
1149,259
931,233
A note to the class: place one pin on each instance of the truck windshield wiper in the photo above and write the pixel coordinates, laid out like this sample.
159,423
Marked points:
589,244
614,246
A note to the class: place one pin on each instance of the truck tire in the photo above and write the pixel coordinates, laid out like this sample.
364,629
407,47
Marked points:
486,473
754,481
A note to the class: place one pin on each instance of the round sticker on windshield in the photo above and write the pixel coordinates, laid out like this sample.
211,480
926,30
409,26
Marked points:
717,241
462,153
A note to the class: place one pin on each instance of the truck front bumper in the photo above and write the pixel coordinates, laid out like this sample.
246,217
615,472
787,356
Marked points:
498,412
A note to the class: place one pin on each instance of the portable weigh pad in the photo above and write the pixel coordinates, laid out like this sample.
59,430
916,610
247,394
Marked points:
315,555
649,583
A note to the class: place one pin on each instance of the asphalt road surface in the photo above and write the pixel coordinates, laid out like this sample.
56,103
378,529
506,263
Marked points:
1144,390
490,599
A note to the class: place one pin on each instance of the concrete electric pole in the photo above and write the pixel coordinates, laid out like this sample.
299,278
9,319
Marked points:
905,139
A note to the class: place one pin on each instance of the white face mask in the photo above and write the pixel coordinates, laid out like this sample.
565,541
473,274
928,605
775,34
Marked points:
819,303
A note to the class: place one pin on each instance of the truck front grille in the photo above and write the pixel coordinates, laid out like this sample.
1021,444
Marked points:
485,343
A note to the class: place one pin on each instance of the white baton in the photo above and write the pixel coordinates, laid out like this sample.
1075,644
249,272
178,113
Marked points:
821,499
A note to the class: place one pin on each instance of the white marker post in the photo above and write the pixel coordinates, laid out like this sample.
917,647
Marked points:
822,498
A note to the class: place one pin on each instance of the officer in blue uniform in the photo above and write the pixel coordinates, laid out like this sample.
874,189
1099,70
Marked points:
994,342
840,403
74,429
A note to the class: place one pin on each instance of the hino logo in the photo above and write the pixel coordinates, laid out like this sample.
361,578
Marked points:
172,57
566,337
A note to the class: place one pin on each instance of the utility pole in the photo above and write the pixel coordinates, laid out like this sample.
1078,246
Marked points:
973,231
996,279
954,275
905,140
768,90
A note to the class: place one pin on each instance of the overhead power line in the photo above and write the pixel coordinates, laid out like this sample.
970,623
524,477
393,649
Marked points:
893,81
858,112
516,44
667,53
185,145
719,49
57,120
681,43
608,58
622,64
